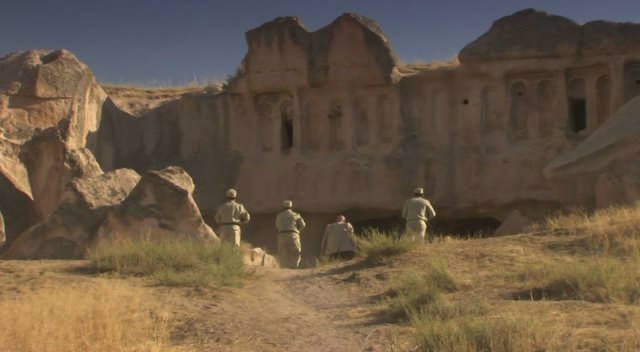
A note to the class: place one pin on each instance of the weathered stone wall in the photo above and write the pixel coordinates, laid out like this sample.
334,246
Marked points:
331,120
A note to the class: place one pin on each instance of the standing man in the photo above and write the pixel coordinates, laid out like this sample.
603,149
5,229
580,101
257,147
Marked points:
289,225
230,215
416,212
338,240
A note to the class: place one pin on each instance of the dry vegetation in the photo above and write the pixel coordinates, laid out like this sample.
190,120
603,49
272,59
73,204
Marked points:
572,284
176,263
97,317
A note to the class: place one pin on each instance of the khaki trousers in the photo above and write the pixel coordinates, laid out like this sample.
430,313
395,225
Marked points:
289,249
231,234
416,229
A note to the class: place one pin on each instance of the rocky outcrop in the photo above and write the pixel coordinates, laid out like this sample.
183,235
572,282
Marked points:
68,232
533,34
258,257
525,34
49,104
351,48
51,164
604,169
41,89
161,205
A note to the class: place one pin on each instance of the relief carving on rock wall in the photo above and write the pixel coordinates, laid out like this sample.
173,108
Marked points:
286,125
603,98
335,117
361,122
544,103
385,119
518,116
312,137
264,110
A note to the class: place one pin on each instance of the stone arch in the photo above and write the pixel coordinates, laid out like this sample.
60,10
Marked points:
544,104
603,96
577,105
361,123
335,117
518,116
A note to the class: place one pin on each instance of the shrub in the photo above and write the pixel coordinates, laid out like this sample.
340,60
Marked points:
419,293
94,318
172,262
375,245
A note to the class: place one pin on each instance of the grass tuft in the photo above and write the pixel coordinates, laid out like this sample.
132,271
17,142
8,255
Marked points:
172,262
95,318
596,279
375,245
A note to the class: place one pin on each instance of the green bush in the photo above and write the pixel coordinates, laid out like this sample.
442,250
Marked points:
172,262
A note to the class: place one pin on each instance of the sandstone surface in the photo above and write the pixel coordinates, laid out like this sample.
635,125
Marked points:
160,206
332,120
68,232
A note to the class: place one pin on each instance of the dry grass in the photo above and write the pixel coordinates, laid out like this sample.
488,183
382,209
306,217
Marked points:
375,245
613,231
102,317
477,333
174,263
443,325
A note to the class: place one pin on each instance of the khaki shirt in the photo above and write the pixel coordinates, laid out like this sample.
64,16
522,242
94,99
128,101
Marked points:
289,221
417,208
232,213
338,237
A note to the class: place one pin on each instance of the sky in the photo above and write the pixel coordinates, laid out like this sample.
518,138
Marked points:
163,42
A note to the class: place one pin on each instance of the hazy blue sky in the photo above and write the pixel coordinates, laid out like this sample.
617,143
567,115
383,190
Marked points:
171,42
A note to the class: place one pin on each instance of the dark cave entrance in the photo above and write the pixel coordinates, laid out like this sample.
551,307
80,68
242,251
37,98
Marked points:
578,114
482,226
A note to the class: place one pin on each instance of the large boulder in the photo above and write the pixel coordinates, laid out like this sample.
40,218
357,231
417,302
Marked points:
160,206
16,203
67,233
41,89
51,164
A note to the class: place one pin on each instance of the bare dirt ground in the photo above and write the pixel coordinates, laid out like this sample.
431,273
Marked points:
276,310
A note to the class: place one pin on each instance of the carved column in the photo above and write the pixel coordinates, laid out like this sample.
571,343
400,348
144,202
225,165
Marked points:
617,84
592,105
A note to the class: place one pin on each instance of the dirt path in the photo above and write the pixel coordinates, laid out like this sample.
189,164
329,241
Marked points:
289,310
323,309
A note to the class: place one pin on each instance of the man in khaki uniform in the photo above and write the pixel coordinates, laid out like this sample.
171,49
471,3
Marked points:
289,224
338,240
229,216
416,212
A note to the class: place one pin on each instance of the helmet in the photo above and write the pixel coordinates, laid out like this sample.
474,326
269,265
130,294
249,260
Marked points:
418,191
231,193
287,204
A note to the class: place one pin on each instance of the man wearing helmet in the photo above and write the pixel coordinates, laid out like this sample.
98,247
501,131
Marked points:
416,212
289,225
229,216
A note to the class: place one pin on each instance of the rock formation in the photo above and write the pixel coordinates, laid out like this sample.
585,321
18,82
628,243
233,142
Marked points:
333,121
68,232
160,205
